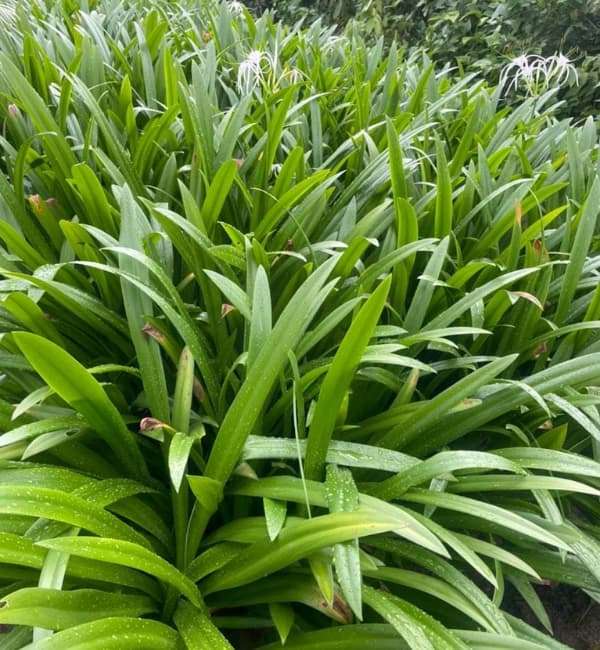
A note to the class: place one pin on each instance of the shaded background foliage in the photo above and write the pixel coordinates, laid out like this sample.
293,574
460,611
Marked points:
475,34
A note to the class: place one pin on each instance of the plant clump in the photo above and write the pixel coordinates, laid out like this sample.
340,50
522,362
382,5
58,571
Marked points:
300,339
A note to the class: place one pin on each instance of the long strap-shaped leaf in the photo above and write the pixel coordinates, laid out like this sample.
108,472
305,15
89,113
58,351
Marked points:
419,630
182,322
578,371
342,496
54,142
296,542
500,516
126,554
346,637
134,228
339,377
579,251
78,388
21,551
272,358
197,630
114,633
67,508
340,452
439,406
54,609
288,488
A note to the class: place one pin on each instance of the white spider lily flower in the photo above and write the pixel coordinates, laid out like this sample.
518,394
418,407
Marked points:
252,70
293,75
236,8
561,69
526,69
537,73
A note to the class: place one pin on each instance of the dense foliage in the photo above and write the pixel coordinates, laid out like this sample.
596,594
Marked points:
476,34
299,341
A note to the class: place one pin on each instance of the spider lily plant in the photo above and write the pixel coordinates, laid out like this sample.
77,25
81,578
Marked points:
298,348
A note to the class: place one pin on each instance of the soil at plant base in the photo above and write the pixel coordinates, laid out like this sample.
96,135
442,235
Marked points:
575,617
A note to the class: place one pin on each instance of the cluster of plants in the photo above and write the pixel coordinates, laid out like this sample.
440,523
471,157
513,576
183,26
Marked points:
300,339
477,35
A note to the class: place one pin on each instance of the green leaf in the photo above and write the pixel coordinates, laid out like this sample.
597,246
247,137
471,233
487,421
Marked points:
127,554
453,312
197,630
298,490
529,595
68,508
441,464
405,625
339,377
216,194
427,282
275,514
346,637
283,618
21,551
238,298
179,451
111,634
208,491
76,386
54,609
294,543
286,334
348,454
342,496
182,441
443,402
500,516
134,229
579,250
443,199
261,317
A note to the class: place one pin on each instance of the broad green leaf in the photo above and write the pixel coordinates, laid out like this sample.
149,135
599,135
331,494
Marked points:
76,386
443,402
275,514
579,251
197,630
67,508
294,543
283,618
134,229
405,625
342,496
298,490
339,452
339,377
126,554
500,516
54,609
112,633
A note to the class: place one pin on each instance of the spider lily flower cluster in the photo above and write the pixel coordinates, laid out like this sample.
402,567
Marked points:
536,74
260,67
236,8
253,70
